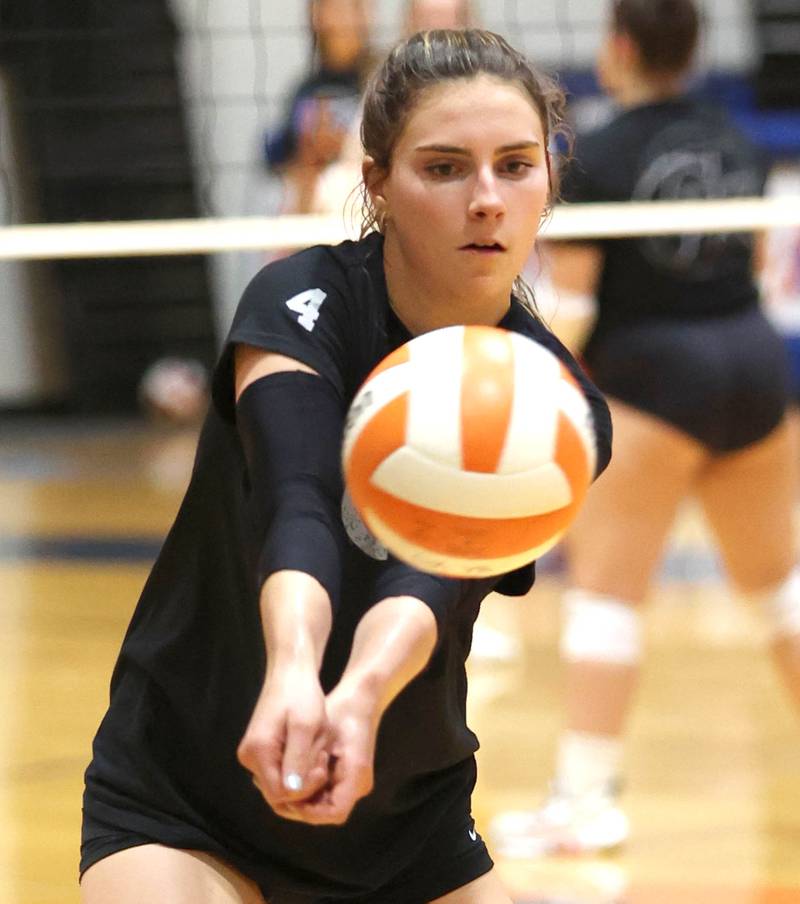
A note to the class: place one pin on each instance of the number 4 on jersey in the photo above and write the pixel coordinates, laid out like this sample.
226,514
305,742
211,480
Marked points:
307,305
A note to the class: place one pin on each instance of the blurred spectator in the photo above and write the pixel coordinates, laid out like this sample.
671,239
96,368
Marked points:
422,15
324,108
336,183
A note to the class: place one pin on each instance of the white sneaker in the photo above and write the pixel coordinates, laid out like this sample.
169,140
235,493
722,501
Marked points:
581,824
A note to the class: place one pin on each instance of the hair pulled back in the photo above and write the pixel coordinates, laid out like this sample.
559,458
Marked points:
430,58
665,31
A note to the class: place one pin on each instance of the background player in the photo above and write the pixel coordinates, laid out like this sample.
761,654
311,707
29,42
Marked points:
259,571
698,389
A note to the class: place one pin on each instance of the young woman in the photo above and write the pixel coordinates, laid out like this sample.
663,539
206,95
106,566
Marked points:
241,758
324,108
698,389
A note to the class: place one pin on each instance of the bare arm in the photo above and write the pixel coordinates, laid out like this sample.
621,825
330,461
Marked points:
285,744
759,254
392,645
574,271
312,757
286,741
253,363
575,267
296,617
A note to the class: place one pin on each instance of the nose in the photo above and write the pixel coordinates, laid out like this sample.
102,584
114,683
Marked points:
487,201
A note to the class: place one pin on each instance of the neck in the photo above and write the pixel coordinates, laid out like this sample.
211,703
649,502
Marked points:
424,305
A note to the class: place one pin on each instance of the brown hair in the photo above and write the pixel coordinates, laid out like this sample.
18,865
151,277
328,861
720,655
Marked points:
429,58
665,31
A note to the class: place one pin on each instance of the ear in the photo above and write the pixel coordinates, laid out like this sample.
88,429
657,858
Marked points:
374,177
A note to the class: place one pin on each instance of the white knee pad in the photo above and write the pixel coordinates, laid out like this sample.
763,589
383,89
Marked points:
782,605
600,628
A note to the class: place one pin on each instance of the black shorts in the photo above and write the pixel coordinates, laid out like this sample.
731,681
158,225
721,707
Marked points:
453,855
725,381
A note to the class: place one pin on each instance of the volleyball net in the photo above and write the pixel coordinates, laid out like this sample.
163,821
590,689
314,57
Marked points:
212,235
239,61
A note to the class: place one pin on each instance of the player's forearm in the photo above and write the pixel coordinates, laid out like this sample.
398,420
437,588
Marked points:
296,617
392,645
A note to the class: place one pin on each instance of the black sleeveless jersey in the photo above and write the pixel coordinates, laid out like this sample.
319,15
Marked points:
674,150
192,662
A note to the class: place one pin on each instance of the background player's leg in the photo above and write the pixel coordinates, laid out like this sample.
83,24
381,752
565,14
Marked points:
150,872
487,889
749,497
613,548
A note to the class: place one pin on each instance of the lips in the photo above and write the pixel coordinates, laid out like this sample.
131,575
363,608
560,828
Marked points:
483,247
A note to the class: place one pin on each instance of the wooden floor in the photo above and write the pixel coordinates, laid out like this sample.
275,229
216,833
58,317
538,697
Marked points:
714,751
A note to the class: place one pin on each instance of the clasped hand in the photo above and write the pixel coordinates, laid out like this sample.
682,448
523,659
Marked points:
311,756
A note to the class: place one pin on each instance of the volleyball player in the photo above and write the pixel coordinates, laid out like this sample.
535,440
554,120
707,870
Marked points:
698,387
240,759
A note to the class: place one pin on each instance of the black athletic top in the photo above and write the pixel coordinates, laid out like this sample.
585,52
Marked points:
677,149
192,662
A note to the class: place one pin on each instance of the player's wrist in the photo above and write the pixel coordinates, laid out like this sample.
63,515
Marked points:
361,693
296,616
299,658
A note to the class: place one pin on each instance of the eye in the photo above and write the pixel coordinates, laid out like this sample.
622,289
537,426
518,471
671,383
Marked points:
442,170
517,166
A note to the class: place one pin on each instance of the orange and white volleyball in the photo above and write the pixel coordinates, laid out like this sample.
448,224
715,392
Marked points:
468,451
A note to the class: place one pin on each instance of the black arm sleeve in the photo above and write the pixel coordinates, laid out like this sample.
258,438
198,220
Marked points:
291,425
291,429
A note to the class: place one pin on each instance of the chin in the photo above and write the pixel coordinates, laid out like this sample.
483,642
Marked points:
488,290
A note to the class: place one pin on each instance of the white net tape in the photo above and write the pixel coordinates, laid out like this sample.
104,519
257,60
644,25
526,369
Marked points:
213,235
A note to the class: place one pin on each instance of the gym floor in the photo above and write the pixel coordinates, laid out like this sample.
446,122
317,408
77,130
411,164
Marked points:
713,756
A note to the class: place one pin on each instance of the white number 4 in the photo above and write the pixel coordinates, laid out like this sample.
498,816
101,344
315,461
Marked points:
307,305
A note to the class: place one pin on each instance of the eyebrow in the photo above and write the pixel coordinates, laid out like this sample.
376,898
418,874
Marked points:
453,149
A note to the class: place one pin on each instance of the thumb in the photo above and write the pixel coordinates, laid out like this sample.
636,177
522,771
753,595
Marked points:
300,754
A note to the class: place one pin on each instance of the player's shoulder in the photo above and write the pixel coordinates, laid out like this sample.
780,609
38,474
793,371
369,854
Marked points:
595,137
322,260
521,319
330,286
331,267
717,119
700,127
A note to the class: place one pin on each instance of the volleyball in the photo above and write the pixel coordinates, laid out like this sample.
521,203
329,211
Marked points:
467,451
